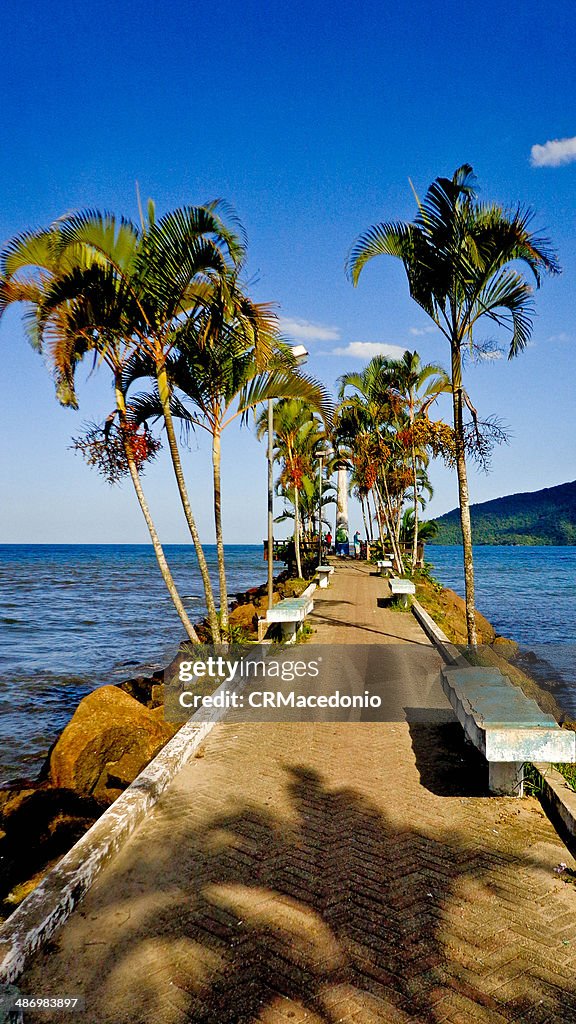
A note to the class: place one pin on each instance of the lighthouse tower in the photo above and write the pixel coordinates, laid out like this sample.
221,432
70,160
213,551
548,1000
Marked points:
342,535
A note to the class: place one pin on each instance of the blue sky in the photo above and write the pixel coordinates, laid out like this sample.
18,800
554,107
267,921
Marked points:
310,119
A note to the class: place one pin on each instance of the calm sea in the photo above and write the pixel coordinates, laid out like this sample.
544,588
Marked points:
528,594
73,617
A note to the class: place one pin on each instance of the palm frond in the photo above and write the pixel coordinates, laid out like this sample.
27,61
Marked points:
385,239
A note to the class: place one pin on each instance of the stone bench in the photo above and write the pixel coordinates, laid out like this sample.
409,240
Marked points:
291,613
324,572
402,588
384,565
506,726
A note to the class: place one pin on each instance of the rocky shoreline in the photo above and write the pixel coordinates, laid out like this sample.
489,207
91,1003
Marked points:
117,729
114,733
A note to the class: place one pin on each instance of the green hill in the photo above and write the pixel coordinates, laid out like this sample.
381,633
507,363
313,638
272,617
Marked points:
534,517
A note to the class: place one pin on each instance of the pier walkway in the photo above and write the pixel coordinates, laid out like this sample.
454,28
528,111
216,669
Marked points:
328,872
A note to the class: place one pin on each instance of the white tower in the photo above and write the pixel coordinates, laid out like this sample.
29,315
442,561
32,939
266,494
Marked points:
342,501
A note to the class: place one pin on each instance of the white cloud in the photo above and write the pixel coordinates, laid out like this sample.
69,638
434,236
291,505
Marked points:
554,153
561,336
417,332
369,349
306,330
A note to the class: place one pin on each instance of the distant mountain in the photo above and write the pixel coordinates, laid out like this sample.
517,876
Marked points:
533,517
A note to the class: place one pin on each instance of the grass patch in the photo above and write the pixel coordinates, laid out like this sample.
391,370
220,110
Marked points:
305,633
401,603
533,782
568,771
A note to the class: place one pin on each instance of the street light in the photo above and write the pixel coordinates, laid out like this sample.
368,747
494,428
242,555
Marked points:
300,355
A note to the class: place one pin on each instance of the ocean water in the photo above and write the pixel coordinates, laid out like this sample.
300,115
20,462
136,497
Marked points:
73,617
529,595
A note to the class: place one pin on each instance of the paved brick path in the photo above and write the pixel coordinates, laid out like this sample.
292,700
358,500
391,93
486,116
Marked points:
327,872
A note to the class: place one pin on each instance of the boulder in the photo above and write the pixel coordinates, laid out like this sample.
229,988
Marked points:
262,603
106,744
36,826
142,688
507,649
245,615
157,696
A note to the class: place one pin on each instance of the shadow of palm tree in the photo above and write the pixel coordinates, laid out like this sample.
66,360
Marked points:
330,912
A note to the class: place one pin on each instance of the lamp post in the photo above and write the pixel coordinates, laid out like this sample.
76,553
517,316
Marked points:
300,355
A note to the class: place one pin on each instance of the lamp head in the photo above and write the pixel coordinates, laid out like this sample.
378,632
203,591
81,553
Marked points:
300,353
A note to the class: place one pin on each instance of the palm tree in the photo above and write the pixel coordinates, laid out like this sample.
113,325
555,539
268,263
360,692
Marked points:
363,424
457,254
428,529
297,432
69,327
312,507
215,378
414,387
105,286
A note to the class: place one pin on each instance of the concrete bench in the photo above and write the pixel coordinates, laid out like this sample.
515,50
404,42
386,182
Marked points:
402,588
291,613
506,726
384,565
324,572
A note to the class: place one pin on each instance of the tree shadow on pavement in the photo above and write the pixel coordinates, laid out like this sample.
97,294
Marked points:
333,913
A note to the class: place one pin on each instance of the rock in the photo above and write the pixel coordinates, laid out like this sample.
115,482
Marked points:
140,688
507,649
38,826
106,744
157,696
12,797
245,615
262,603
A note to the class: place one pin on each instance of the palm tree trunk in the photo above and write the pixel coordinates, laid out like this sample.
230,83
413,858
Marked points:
363,506
382,508
164,392
158,549
369,510
398,521
391,528
216,464
463,496
379,508
297,531
415,479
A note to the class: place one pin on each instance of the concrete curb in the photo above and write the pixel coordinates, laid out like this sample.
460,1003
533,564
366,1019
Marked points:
54,899
559,797
449,652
